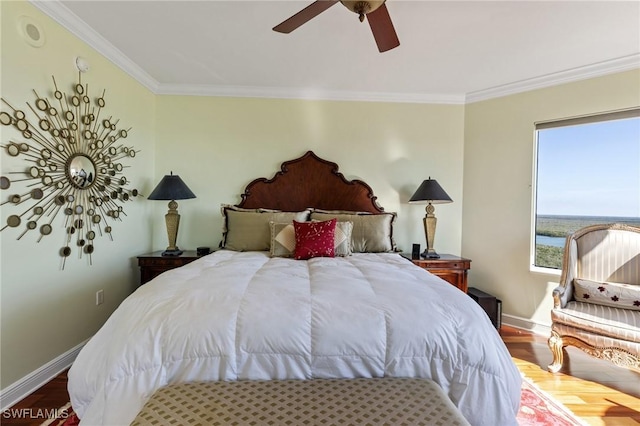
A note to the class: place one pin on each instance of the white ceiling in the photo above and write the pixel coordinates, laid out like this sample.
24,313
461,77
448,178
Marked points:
450,51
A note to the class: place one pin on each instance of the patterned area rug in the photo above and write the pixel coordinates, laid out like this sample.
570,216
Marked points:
65,416
537,408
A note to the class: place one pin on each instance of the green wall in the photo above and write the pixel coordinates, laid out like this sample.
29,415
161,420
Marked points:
218,145
46,311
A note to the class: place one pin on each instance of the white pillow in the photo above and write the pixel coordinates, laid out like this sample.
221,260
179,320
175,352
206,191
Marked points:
618,295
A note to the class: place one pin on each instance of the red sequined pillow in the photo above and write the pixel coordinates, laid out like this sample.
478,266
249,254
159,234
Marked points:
314,239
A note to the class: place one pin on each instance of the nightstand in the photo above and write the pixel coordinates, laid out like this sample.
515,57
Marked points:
153,264
450,268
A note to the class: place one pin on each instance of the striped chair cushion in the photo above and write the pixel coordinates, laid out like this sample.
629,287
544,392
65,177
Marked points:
598,340
604,320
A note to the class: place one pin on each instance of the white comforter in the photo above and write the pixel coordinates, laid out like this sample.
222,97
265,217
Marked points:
232,315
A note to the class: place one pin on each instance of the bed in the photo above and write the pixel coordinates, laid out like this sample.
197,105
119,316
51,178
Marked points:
260,309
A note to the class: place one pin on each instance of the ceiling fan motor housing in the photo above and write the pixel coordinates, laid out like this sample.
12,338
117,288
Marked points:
362,7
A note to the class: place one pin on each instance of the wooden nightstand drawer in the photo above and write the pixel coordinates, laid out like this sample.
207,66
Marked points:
452,269
153,264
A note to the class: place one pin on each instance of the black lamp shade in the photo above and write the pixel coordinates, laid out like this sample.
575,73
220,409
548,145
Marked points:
430,192
171,187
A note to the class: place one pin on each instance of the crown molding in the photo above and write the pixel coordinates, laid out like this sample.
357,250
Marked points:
69,20
305,94
625,63
61,14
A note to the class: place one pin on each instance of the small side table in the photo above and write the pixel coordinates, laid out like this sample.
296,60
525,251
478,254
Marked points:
450,268
153,264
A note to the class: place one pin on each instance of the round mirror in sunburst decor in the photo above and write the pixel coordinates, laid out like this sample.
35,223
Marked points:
74,159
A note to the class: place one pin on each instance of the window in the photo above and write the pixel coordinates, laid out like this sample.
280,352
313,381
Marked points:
587,172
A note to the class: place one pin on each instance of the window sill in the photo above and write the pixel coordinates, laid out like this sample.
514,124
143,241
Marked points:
549,272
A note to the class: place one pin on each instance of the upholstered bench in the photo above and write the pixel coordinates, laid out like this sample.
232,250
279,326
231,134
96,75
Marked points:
382,401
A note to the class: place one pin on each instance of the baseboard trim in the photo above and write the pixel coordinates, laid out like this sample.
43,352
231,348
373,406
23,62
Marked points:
526,324
17,391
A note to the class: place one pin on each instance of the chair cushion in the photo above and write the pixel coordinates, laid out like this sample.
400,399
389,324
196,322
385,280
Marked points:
598,340
604,320
618,295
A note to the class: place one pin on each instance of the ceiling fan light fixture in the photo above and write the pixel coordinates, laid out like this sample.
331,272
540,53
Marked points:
361,7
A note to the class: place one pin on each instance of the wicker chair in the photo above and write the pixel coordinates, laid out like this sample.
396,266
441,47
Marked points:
587,312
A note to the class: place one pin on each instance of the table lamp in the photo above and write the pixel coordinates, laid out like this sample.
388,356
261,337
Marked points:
431,193
171,187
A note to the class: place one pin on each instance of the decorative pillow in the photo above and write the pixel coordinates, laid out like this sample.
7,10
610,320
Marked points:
283,239
314,239
342,241
372,233
625,296
248,229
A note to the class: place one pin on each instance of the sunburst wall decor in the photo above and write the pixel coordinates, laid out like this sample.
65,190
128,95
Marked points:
74,167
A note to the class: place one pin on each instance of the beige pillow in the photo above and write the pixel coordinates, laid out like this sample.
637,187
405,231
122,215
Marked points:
372,233
618,295
283,239
248,229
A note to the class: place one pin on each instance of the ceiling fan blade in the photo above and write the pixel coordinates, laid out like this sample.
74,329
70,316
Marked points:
306,14
382,28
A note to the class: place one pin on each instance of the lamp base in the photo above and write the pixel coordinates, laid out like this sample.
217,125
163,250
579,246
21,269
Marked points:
429,255
176,252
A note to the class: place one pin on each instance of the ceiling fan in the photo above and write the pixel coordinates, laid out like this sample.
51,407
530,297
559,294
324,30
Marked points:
375,11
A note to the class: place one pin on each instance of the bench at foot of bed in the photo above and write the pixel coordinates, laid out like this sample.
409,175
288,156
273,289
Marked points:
392,401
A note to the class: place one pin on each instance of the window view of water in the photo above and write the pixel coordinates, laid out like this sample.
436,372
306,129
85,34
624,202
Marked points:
587,173
552,230
550,241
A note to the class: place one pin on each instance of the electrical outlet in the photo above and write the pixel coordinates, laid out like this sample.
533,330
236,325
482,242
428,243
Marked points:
99,297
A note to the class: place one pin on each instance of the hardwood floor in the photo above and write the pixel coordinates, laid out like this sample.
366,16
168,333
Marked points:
37,407
595,390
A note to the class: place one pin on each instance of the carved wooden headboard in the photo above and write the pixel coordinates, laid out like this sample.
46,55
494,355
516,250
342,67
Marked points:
309,181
